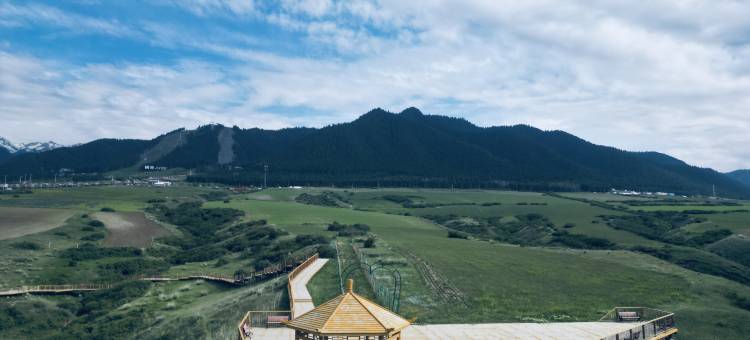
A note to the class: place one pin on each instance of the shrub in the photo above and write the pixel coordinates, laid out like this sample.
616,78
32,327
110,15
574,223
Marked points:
348,230
569,225
134,267
96,223
262,264
107,209
27,245
370,242
455,234
88,251
327,252
739,301
308,240
94,237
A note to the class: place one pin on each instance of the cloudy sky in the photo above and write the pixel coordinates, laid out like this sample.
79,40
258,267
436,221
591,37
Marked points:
671,76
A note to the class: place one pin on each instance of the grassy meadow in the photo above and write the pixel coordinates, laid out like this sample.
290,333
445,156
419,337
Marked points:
468,279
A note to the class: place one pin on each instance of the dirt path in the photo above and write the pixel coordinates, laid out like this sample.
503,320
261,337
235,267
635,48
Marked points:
130,229
16,222
434,281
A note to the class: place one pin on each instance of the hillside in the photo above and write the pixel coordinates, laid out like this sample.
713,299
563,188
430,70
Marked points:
383,148
742,176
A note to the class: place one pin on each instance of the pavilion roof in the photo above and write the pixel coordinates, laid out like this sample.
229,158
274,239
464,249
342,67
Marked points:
350,314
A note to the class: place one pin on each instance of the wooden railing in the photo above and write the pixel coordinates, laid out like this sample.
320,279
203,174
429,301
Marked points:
294,274
253,319
651,323
274,269
261,318
54,289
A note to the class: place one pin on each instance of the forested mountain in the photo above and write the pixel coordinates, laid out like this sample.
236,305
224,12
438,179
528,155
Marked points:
383,148
4,153
742,176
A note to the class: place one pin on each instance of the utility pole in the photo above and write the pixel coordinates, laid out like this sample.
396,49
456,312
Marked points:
265,176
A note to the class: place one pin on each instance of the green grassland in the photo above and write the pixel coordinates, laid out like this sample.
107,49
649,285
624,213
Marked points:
478,280
120,198
505,282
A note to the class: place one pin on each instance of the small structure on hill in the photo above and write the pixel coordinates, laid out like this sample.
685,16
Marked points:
348,316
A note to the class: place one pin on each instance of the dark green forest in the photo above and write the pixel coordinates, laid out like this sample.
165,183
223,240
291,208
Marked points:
408,149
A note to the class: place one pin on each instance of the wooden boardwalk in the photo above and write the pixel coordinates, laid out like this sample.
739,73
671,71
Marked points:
270,271
54,289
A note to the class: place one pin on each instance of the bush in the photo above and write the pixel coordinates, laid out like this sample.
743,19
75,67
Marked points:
370,242
569,225
134,267
581,241
262,264
348,230
455,234
96,223
107,209
26,245
739,301
88,251
94,237
327,252
308,240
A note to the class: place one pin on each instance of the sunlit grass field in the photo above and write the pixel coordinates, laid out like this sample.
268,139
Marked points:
497,282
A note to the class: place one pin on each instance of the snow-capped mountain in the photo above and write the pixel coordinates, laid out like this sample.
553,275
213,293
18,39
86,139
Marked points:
28,147
7,145
38,146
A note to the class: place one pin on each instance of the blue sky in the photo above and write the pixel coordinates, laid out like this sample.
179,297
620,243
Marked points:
671,76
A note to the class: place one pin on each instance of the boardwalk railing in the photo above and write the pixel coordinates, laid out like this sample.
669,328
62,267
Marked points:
273,318
272,270
54,289
263,319
294,274
648,323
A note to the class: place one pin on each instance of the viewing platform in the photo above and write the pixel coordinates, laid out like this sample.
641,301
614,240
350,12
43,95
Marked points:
350,316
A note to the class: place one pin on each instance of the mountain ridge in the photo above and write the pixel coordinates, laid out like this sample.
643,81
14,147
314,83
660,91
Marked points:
742,176
397,149
13,148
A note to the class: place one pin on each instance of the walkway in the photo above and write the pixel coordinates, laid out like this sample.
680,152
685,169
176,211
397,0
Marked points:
54,289
301,301
551,331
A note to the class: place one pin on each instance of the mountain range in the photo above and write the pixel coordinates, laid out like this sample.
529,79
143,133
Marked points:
742,176
390,149
8,149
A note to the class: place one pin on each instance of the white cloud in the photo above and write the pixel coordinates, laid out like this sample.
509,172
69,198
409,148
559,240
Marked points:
669,76
13,15
208,7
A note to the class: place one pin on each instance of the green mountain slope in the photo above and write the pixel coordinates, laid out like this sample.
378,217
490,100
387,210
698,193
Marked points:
405,149
742,176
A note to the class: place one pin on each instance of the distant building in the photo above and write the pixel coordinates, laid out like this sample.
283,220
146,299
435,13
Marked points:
162,183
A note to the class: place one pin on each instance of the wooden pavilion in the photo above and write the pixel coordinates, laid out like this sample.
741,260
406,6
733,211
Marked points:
348,316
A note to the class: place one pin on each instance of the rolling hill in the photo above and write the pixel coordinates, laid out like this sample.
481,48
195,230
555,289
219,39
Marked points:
383,148
742,176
